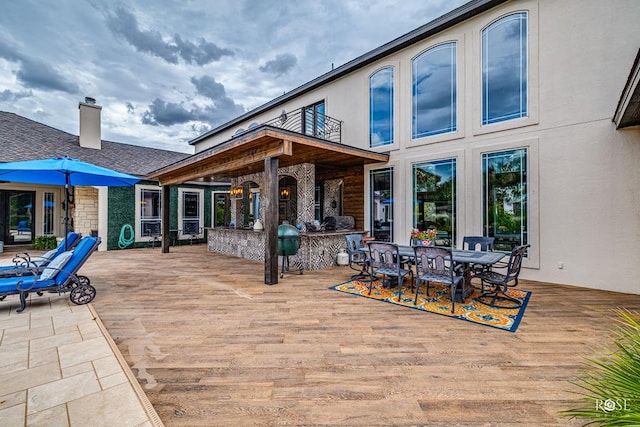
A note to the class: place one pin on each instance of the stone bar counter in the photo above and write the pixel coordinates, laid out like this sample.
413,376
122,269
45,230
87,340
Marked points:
318,250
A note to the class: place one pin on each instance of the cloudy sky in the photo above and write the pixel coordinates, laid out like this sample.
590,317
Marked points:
166,71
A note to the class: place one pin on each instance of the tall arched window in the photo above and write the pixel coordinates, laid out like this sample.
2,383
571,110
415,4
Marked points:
381,108
504,69
434,91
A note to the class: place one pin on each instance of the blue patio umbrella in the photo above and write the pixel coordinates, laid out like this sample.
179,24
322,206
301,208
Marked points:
64,171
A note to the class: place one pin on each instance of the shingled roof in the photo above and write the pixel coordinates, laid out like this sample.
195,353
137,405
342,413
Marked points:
25,139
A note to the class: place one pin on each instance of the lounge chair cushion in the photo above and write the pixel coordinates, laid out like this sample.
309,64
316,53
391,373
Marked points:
56,265
44,259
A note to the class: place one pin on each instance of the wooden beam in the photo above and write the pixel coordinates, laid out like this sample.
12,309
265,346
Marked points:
237,161
166,209
271,220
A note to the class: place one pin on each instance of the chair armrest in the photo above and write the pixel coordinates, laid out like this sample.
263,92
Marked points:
22,259
32,284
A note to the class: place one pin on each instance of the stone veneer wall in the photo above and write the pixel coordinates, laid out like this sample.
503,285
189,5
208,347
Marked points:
317,250
85,214
304,174
331,193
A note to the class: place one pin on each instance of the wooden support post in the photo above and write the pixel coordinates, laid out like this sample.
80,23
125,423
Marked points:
270,220
165,218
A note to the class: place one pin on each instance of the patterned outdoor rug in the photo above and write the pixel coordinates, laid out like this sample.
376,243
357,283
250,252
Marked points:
439,302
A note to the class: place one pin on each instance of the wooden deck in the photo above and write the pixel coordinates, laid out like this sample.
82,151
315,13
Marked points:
211,344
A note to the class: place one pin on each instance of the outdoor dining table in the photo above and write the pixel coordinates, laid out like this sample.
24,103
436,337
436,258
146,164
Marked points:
464,257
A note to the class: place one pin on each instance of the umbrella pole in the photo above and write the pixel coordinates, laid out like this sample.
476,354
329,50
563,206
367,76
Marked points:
66,210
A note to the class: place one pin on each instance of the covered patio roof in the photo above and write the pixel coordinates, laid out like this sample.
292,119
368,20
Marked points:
262,149
245,154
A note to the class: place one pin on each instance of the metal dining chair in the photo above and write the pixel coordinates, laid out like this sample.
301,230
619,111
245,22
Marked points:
499,283
478,243
358,259
386,262
435,264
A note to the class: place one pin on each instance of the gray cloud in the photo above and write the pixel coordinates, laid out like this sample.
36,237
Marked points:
124,23
280,65
9,96
162,113
130,108
37,74
202,54
207,86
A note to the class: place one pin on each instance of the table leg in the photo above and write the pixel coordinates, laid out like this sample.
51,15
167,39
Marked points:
463,292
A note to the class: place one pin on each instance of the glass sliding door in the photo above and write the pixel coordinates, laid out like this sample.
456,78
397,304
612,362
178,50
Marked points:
381,219
505,200
434,199
18,212
313,120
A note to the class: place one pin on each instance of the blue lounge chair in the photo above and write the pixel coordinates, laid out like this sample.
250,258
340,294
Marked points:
60,275
23,260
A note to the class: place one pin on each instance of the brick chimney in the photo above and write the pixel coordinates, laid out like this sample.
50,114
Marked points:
90,136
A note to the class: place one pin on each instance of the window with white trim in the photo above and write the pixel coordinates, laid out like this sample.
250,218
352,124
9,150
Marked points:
381,108
381,199
190,211
148,211
434,90
505,69
505,202
434,199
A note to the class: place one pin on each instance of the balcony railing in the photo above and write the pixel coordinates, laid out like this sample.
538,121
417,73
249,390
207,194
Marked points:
309,122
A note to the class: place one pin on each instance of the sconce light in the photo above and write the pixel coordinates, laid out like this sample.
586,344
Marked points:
334,204
285,194
250,196
236,192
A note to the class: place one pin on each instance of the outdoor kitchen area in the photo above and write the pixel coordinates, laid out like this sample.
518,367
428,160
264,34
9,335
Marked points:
280,175
306,200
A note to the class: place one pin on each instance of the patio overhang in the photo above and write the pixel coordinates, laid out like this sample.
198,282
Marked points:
628,110
262,149
246,153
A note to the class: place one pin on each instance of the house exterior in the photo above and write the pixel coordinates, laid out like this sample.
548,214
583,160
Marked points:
28,211
512,119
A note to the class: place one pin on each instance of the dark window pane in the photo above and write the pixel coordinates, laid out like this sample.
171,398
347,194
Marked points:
504,193
191,205
434,204
381,184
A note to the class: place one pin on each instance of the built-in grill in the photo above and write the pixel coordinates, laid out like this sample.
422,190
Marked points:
339,223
